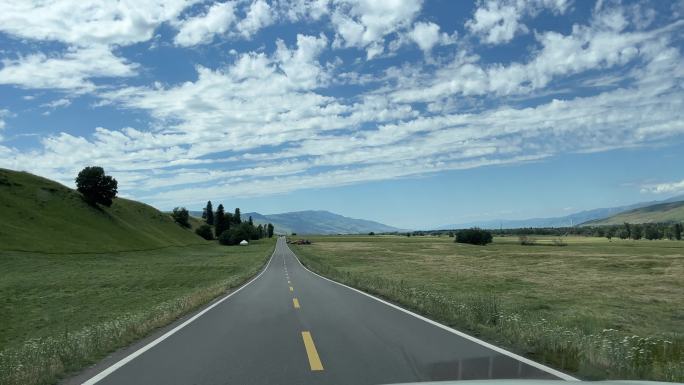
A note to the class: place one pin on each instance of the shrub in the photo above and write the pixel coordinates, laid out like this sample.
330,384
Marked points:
96,187
527,241
181,216
205,232
474,236
560,242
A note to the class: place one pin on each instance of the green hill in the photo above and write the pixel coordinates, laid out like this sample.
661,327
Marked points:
658,213
37,214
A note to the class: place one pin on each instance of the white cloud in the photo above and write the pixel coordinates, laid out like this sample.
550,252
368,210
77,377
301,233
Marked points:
664,188
427,35
202,29
270,122
585,48
68,71
86,23
365,23
58,103
3,113
258,16
498,22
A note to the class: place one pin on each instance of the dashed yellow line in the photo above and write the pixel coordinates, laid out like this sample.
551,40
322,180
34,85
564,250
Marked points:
314,359
295,302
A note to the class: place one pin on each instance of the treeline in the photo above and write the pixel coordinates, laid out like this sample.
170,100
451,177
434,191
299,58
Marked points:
227,227
635,231
652,231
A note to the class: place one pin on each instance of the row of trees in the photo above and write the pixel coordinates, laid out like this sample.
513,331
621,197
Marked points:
649,231
229,228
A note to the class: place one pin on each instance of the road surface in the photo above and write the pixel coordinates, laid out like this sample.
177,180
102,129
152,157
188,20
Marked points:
290,326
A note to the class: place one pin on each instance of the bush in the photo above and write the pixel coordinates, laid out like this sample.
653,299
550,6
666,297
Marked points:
474,236
527,241
96,187
181,216
205,232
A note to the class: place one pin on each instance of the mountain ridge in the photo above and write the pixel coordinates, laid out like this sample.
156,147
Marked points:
575,219
316,222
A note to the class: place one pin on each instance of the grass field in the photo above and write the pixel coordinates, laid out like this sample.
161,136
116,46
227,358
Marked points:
59,313
595,308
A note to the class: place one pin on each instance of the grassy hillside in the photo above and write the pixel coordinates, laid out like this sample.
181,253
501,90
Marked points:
658,213
44,216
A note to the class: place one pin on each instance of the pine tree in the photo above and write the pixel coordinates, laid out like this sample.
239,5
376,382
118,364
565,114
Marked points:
219,221
251,222
236,216
269,230
210,213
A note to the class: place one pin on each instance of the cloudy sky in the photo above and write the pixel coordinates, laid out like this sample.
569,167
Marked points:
412,113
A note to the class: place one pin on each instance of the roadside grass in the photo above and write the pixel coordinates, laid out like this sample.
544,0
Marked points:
594,308
59,313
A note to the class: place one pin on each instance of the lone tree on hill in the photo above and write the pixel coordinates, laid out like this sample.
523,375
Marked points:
96,187
181,216
210,213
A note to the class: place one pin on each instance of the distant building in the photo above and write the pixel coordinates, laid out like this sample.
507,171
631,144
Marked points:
244,243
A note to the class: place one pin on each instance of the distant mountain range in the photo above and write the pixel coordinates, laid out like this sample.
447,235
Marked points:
315,222
658,213
568,220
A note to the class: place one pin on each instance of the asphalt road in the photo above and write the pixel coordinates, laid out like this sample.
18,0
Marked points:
290,326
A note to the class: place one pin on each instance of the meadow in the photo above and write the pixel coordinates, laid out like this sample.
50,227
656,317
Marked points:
589,306
61,312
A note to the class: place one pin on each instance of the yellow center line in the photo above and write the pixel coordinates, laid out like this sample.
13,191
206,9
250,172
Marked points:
295,302
291,288
314,360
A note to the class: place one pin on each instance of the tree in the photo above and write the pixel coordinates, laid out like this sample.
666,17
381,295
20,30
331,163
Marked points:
210,213
96,187
236,216
269,230
250,221
474,236
628,230
205,232
636,232
677,231
651,232
609,233
219,221
237,234
260,230
181,216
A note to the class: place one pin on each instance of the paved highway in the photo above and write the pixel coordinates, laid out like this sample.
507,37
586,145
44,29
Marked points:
290,326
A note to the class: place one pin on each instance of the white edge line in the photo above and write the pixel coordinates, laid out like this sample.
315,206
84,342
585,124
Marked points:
98,377
497,349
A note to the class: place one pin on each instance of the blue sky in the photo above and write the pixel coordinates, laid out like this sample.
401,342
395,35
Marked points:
412,113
